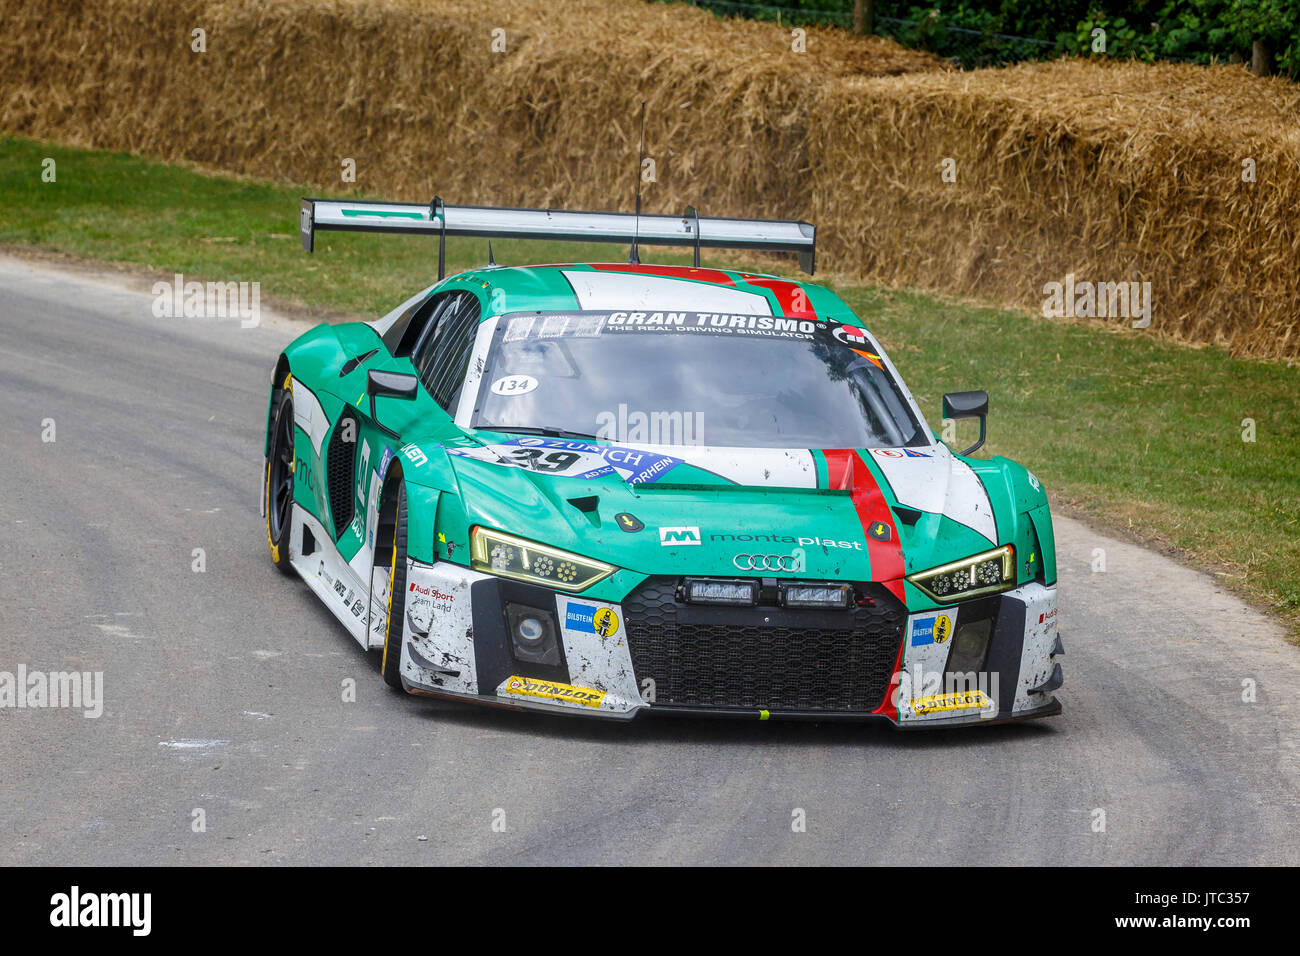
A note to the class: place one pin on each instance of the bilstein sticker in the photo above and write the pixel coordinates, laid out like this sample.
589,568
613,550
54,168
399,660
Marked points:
606,622
580,617
942,628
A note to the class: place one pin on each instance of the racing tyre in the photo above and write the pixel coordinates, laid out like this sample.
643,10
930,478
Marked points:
278,490
390,662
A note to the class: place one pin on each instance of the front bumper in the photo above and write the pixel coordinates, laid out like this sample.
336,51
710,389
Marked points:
651,655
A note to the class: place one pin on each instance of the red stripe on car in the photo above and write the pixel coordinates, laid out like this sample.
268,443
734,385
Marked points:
845,469
791,296
672,272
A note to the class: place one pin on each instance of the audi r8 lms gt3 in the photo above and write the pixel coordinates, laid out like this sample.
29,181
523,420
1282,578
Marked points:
623,489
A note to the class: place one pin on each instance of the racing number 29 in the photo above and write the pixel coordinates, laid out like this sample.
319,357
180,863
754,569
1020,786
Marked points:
535,459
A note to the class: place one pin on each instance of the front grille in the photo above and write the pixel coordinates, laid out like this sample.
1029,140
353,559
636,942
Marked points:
763,657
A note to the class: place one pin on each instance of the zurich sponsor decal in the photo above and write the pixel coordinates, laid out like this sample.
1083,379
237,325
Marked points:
580,617
582,459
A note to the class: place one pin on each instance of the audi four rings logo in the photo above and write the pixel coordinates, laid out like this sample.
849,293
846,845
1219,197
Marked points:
766,562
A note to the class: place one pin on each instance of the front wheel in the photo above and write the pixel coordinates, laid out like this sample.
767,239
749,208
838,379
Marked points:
278,489
390,663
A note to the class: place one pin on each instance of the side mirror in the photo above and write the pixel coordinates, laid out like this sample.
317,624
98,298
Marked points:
966,405
394,384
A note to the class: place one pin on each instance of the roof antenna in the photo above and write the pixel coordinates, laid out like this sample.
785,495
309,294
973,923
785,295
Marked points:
491,261
634,257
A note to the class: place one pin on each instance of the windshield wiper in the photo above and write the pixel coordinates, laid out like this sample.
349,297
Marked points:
535,430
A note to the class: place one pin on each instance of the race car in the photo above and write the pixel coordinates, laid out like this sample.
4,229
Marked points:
620,489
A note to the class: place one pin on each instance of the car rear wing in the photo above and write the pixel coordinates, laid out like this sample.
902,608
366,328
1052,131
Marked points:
491,222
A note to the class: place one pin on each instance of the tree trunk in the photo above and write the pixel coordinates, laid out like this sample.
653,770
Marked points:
864,17
1261,58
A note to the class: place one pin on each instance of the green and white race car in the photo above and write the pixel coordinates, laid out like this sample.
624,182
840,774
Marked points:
621,489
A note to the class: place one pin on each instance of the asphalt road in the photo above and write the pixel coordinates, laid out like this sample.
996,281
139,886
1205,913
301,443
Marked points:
222,689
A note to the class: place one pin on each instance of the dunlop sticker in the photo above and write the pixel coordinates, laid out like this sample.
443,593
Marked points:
531,687
962,700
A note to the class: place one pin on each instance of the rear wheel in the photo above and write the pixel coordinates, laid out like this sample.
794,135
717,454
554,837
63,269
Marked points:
390,662
278,490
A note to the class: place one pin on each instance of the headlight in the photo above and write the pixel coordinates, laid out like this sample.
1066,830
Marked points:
816,595
983,574
709,591
496,552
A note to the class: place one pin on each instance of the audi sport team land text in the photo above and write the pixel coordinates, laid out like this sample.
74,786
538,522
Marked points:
617,489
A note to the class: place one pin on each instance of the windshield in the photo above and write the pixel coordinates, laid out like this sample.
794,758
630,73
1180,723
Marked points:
690,378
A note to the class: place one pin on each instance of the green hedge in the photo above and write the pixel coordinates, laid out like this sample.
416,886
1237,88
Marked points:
988,32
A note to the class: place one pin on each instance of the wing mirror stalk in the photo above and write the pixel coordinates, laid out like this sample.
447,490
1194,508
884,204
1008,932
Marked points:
393,384
973,404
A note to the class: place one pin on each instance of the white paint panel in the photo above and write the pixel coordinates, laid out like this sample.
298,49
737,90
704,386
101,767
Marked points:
308,415
620,290
601,662
328,575
933,479
924,660
439,626
761,467
1040,637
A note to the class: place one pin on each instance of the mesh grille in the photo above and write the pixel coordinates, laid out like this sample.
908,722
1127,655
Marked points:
733,658
339,466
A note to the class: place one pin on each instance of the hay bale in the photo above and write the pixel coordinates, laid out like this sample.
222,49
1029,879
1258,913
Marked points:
1111,171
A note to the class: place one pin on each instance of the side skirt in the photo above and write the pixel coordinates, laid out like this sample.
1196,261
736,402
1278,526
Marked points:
331,578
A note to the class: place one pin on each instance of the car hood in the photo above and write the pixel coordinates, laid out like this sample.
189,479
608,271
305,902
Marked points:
863,515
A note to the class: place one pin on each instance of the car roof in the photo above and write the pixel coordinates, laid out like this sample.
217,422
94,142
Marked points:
558,287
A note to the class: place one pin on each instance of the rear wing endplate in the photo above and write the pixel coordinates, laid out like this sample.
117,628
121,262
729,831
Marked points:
491,222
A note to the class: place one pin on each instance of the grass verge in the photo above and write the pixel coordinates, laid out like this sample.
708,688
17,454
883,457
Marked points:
1136,436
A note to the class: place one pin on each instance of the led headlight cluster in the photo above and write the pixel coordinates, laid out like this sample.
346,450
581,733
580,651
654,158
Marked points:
710,591
816,595
983,574
496,552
